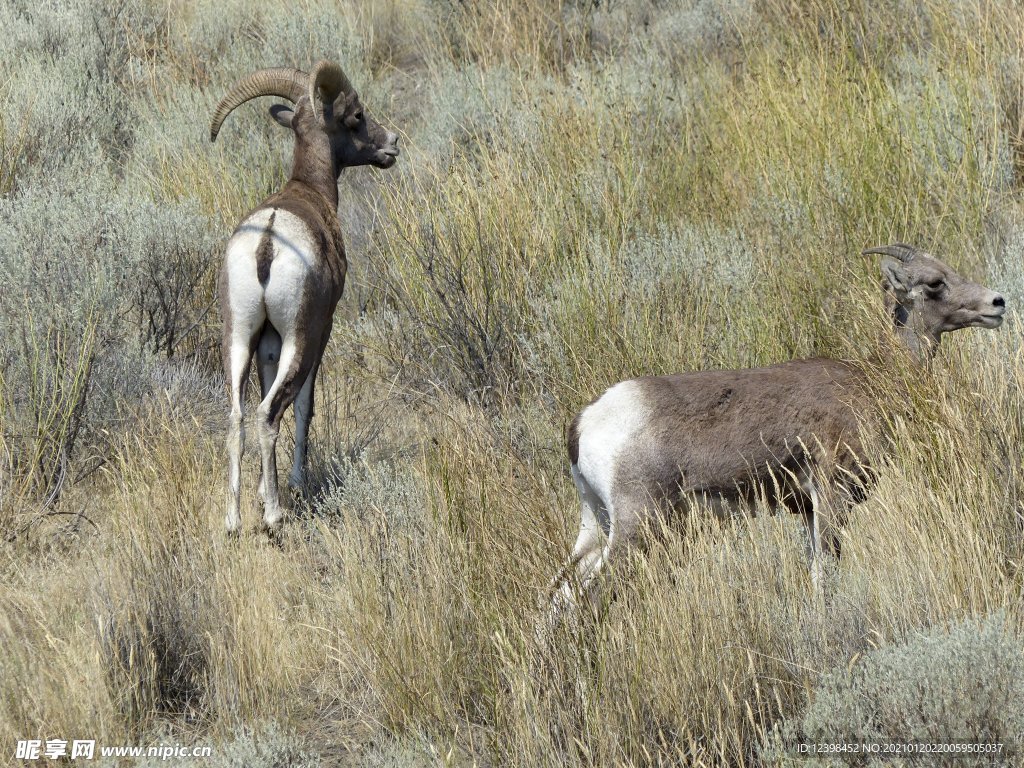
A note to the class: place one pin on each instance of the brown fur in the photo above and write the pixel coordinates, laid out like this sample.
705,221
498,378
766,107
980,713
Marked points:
265,251
734,436
572,439
714,432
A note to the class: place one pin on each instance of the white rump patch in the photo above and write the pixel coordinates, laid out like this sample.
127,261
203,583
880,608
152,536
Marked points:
607,428
294,258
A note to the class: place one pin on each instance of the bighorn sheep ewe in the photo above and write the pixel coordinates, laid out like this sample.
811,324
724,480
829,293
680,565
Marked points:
284,268
789,431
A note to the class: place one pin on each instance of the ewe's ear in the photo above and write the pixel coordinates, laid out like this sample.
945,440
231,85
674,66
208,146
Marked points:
284,115
894,275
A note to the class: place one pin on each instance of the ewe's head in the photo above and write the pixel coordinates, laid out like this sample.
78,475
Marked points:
327,116
931,297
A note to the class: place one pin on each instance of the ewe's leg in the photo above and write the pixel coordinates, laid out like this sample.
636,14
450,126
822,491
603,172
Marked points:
586,552
594,524
813,521
823,522
625,516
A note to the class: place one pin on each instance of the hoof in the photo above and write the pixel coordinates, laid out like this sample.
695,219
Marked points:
274,533
296,495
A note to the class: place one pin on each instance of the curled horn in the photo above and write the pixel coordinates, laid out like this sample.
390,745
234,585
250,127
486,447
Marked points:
900,251
285,82
326,83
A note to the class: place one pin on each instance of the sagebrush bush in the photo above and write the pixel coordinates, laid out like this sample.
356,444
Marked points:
70,81
1007,253
371,488
474,112
706,25
92,278
964,683
267,745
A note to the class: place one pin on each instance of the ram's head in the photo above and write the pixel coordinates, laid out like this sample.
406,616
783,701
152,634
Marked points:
326,114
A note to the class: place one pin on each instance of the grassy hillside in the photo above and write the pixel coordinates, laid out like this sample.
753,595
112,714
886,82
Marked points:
587,191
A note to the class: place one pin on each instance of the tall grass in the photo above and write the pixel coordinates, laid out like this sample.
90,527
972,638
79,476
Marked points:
587,192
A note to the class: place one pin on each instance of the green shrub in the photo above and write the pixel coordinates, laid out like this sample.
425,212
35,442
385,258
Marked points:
70,81
965,684
269,745
93,280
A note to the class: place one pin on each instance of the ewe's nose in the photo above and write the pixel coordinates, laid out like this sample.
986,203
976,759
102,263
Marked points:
390,145
999,301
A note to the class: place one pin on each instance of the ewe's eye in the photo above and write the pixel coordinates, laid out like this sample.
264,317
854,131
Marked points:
359,116
935,286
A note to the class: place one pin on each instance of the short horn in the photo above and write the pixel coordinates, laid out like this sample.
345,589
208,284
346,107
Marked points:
285,82
900,251
327,82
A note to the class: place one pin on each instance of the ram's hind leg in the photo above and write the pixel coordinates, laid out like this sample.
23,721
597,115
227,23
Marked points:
303,415
294,367
268,358
237,352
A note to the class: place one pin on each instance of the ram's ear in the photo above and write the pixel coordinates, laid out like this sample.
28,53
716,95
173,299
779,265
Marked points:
282,114
895,258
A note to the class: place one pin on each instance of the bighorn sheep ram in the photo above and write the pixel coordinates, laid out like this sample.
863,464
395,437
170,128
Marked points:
789,432
284,268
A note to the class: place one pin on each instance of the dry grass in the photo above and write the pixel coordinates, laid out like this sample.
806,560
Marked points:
572,207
